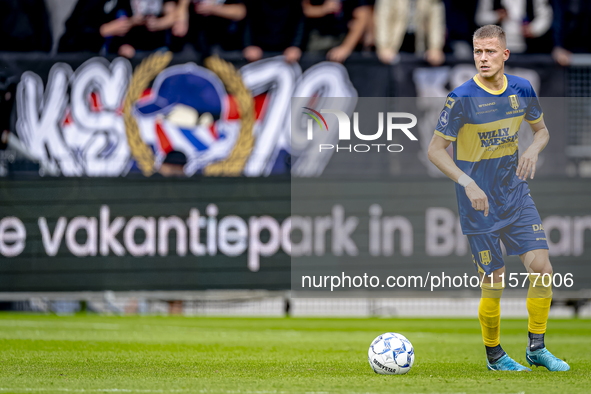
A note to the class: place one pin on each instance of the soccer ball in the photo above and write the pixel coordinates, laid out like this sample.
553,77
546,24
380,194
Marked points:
391,354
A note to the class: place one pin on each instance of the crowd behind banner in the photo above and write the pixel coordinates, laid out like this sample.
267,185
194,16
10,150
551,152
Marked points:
334,28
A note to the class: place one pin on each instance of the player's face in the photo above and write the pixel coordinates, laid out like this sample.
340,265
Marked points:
489,57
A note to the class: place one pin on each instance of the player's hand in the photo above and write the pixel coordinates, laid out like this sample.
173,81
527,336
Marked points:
387,55
527,164
477,197
561,56
527,31
292,54
180,28
338,54
252,53
126,50
434,57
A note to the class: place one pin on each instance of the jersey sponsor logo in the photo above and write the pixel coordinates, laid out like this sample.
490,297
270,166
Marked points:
514,101
485,257
538,228
488,111
489,140
444,118
494,138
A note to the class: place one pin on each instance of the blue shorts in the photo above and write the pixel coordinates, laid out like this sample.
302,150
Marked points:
523,235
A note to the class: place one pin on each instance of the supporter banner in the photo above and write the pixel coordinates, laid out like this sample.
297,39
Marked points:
107,118
78,115
60,234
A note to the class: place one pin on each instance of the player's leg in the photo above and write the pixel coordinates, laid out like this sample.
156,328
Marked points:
488,259
489,313
539,298
526,238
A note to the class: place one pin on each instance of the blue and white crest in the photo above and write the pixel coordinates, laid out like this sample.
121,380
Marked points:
444,118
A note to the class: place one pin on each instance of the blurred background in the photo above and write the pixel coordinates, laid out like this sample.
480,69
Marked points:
138,175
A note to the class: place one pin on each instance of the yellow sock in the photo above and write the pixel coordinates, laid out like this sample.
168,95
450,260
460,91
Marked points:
539,298
489,313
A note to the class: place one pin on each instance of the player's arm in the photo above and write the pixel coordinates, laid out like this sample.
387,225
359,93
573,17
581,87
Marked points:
438,155
529,158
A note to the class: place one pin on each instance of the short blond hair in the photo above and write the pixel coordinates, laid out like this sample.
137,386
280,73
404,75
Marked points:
491,31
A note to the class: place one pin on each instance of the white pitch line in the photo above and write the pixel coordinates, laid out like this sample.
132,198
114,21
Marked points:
58,324
29,389
78,390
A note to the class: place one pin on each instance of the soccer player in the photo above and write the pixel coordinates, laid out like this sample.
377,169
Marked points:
482,118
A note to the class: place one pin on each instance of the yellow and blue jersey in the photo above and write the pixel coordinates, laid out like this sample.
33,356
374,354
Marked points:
483,125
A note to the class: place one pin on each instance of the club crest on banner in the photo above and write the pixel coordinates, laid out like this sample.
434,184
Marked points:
194,113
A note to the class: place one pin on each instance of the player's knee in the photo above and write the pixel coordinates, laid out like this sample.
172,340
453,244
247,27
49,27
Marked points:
538,263
542,266
547,269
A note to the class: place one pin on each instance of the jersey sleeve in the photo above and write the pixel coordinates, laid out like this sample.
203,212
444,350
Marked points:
450,119
533,114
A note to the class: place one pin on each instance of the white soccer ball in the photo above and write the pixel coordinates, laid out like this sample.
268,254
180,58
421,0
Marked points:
391,354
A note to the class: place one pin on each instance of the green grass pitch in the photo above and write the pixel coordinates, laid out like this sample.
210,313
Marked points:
89,353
